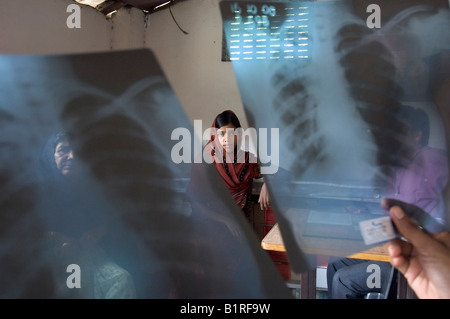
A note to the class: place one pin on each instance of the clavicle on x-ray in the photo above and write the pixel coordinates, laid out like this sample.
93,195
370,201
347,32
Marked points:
93,205
340,79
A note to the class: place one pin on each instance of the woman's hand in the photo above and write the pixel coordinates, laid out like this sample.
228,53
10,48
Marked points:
264,200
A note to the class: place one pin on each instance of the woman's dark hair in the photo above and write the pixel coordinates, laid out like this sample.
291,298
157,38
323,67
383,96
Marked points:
225,118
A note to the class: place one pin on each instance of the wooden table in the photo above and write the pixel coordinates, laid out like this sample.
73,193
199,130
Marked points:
274,241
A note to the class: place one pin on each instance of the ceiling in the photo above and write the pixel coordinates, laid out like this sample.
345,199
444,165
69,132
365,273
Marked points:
150,6
109,6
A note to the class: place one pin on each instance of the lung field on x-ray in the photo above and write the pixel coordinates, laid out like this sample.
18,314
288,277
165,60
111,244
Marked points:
337,109
119,123
337,106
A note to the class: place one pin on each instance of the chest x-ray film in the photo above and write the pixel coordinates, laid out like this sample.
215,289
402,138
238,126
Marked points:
94,197
348,90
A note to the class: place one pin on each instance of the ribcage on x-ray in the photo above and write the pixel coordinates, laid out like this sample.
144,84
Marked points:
122,152
127,153
297,109
371,75
127,203
340,105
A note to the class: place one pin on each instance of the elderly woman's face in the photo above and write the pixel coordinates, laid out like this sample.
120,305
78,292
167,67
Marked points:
64,158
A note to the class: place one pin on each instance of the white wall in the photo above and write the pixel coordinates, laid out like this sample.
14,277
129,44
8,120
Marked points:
192,62
204,85
39,27
128,29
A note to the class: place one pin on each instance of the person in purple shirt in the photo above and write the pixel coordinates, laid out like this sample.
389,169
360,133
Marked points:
419,179
424,174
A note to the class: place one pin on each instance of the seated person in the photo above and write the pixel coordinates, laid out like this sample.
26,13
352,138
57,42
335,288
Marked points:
419,181
76,228
237,168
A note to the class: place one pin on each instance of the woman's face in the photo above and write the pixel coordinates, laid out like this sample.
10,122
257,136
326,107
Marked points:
227,136
64,158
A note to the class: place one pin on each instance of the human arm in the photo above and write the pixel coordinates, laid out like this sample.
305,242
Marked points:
264,199
424,259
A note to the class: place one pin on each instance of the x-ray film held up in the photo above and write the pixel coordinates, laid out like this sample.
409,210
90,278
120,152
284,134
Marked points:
336,83
124,220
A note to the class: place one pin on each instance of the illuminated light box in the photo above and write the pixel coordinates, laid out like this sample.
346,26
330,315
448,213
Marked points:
259,31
